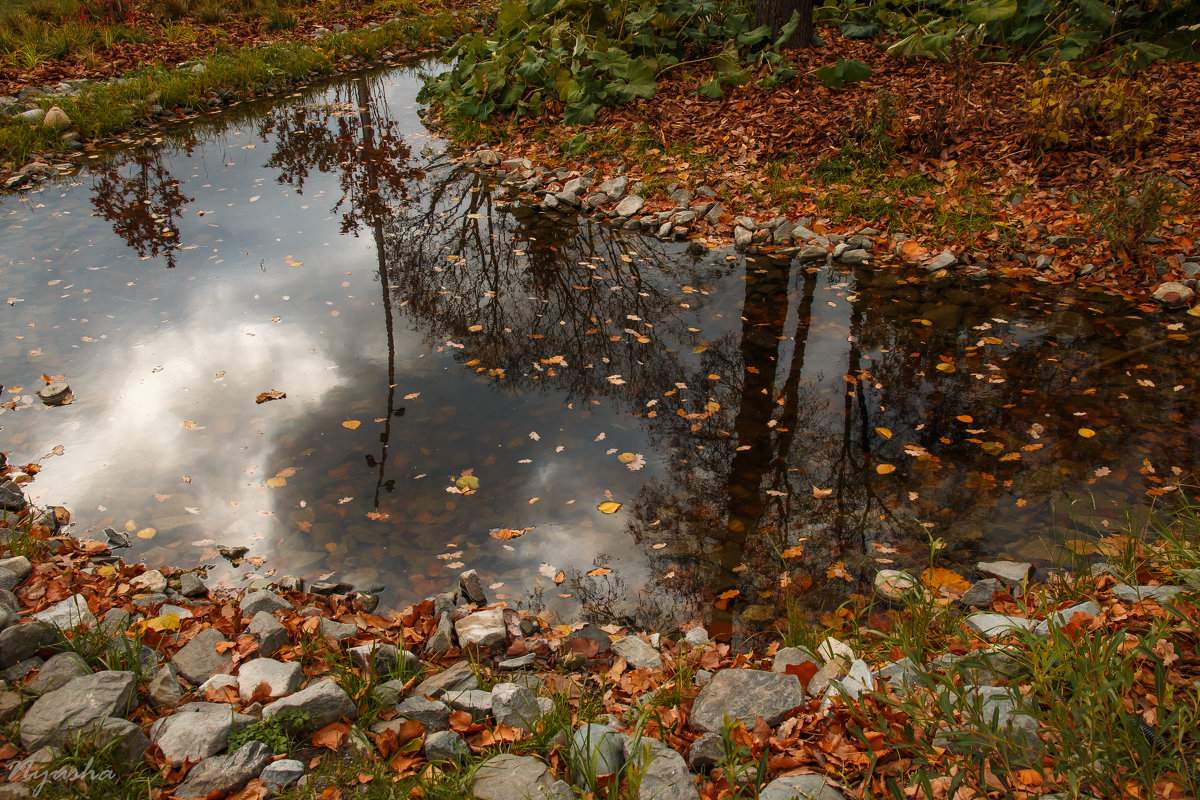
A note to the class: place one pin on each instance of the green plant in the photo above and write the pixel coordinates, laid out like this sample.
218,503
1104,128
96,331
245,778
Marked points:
1130,211
586,54
744,776
210,12
279,20
84,770
1067,107
843,72
278,733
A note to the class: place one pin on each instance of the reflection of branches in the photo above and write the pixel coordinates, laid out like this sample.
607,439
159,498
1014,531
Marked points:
144,204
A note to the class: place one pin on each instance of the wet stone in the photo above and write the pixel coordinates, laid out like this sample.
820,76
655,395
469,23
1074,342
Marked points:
190,585
255,602
1011,573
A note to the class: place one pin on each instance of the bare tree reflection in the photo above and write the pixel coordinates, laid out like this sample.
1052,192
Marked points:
144,202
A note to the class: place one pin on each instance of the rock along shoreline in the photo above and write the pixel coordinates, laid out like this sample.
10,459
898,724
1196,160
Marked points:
160,674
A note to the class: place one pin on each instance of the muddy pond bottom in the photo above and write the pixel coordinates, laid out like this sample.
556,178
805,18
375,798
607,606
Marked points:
296,328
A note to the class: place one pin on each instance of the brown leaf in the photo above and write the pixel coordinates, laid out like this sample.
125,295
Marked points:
331,736
264,397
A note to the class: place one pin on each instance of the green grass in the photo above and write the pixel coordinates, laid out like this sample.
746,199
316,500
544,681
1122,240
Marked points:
105,110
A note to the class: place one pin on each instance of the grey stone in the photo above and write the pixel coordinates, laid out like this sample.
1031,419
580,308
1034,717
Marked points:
812,253
510,777
1132,594
19,642
269,632
791,657
20,568
442,640
324,702
696,637
19,670
894,585
446,746
9,601
630,205
1173,293
1011,573
706,752
1063,617
190,585
615,187
59,670
81,703
481,629
456,678
384,658
595,750
903,673
196,731
212,688
489,158
475,702
255,602
11,705
945,260
281,773
337,631
151,580
800,787
115,622
515,706
520,662
637,653
32,115
164,688
665,774
199,660
854,257
66,614
130,743
742,237
745,694
227,773
433,714
281,678
857,681
995,626
981,592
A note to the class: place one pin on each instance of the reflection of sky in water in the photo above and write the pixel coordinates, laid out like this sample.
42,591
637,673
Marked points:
274,289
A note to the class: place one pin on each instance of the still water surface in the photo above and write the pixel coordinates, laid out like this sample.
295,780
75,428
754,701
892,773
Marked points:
459,369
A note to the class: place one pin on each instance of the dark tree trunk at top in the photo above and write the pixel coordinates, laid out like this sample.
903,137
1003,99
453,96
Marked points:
776,14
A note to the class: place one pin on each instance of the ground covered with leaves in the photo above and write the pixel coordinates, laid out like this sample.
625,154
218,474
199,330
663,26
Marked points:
1002,160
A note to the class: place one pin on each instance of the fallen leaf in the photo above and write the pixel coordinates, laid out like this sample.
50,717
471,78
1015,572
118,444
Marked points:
264,397
352,424
609,507
509,533
1087,433
885,469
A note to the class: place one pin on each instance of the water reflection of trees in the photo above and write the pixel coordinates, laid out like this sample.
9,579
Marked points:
144,203
543,306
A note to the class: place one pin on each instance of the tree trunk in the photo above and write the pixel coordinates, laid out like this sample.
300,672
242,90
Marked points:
776,14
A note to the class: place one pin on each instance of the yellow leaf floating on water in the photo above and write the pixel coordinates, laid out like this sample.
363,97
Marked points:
885,469
923,322
146,533
597,572
609,507
819,493
793,552
699,349
352,424
884,432
192,426
1087,433
467,482
965,418
475,328
625,458
944,367
276,482
509,533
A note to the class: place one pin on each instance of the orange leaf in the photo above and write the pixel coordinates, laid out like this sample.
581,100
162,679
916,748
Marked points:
510,533
940,578
332,735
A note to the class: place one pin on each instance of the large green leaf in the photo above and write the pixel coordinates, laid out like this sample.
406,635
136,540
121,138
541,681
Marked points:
982,11
580,113
845,71
712,89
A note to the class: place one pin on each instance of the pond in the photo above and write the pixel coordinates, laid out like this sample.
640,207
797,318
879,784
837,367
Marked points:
602,424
